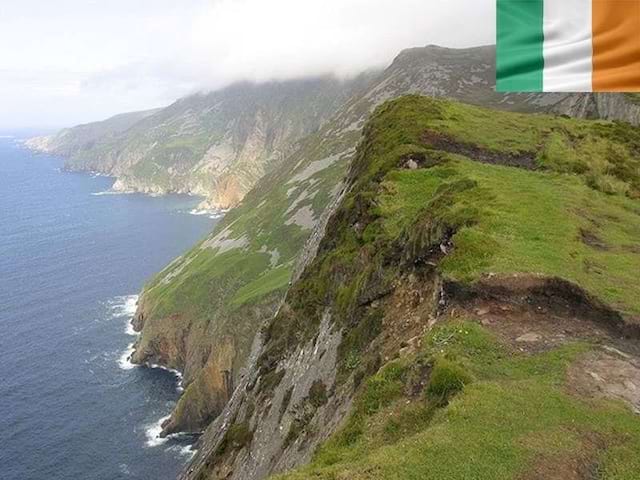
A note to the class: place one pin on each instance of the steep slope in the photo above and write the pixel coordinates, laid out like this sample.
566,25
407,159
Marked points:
201,313
464,313
215,145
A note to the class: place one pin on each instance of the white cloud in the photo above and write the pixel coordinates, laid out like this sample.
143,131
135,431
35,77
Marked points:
70,61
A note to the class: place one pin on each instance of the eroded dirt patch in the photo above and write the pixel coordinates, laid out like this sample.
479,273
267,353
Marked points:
446,143
589,238
531,329
532,318
554,305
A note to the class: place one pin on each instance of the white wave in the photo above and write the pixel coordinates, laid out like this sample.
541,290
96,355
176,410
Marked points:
129,330
124,306
125,359
7,136
110,192
153,431
184,450
166,369
213,214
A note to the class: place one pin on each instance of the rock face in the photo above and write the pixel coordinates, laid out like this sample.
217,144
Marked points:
216,297
608,106
402,251
215,145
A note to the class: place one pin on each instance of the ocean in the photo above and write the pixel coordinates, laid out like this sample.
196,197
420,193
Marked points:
72,259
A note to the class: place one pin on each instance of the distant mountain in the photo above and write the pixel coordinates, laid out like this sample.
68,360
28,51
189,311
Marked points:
216,145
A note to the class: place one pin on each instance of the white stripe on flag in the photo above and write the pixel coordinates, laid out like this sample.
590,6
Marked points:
567,49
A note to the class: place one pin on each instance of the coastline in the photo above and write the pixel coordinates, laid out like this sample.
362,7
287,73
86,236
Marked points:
118,188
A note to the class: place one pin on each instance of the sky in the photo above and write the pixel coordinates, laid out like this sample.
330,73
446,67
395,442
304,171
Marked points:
66,62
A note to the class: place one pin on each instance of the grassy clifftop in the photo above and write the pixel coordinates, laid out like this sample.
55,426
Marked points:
512,193
221,291
570,208
466,308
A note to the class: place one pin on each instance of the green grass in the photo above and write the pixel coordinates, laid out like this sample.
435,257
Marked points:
516,412
486,412
526,222
270,281
505,220
208,273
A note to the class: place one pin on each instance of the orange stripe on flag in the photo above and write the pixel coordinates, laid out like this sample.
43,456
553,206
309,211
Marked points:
616,45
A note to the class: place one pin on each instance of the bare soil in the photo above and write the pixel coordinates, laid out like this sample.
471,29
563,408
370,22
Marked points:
446,143
533,314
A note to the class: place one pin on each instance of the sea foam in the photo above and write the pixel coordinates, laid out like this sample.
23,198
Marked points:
125,359
184,450
213,214
153,431
125,307
109,192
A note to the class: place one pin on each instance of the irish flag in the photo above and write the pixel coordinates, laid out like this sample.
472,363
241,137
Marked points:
568,45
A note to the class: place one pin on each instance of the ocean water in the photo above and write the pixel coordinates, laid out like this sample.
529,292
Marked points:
71,262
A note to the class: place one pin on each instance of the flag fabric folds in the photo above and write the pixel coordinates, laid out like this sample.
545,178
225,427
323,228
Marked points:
568,46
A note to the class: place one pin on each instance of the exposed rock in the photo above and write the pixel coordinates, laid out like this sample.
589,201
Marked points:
604,375
529,338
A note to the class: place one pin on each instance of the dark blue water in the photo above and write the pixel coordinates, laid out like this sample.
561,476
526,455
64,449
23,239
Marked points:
69,263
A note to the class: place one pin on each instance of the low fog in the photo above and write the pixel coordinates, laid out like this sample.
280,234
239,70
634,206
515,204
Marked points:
74,61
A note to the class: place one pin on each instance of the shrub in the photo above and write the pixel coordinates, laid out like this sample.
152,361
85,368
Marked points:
447,379
237,437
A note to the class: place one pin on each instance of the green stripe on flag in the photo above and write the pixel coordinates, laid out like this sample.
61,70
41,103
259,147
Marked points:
520,60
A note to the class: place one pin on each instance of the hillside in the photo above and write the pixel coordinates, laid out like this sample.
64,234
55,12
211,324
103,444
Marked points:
200,314
471,311
83,140
216,145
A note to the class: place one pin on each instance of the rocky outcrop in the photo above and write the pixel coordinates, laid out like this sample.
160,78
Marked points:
607,106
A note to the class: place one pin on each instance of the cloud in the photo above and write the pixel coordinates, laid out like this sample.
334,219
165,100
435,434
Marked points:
99,58
260,40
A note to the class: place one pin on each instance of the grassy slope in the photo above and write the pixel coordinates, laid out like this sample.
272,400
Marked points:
512,220
506,219
248,274
507,413
221,285
528,222
512,410
263,215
